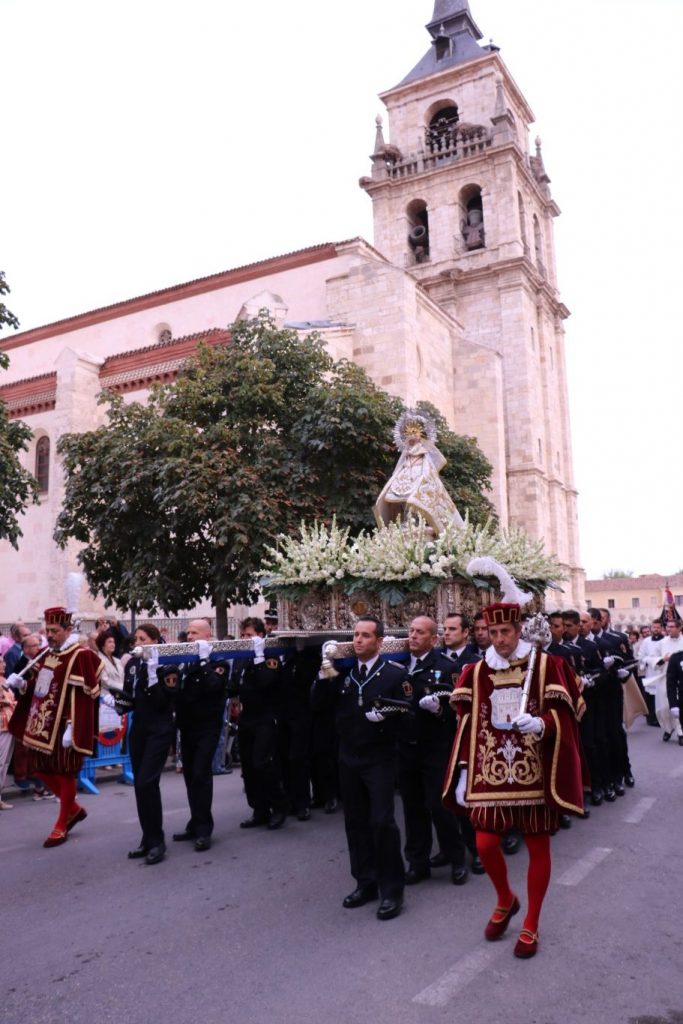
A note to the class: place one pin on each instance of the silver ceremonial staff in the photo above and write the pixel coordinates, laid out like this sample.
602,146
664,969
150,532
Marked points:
535,631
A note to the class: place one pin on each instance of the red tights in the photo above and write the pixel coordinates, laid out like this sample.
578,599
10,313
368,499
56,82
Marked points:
64,788
538,876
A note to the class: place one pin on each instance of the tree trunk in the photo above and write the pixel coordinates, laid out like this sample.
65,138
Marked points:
221,609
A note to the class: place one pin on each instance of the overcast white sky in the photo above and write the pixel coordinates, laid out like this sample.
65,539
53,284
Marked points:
150,142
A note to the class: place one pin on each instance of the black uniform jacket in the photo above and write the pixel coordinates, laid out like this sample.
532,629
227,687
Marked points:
427,730
352,700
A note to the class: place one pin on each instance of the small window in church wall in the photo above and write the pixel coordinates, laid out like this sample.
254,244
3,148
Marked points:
533,340
635,602
522,223
42,470
538,245
610,602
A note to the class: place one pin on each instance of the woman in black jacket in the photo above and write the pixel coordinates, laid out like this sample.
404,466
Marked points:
152,692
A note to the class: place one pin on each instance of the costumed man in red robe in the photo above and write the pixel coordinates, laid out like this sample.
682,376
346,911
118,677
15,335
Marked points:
514,768
56,717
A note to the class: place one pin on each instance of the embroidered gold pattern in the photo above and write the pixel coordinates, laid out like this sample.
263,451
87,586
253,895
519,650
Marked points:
514,762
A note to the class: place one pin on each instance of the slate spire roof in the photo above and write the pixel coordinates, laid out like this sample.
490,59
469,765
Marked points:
455,39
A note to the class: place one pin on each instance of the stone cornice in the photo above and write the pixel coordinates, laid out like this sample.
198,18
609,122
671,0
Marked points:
30,395
138,368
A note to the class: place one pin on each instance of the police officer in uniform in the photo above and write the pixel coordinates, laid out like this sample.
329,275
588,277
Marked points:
257,685
200,705
424,746
367,743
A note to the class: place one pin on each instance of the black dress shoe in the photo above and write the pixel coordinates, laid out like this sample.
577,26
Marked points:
459,875
360,896
619,788
666,736
630,781
653,722
565,821
139,851
439,860
388,909
511,843
156,854
610,795
304,815
597,796
585,814
254,822
680,743
202,843
276,820
183,837
477,866
331,805
415,875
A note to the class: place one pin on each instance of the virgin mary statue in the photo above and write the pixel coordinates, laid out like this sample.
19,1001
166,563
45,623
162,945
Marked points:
415,488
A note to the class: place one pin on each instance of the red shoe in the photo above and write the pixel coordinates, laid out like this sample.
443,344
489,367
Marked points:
500,919
55,838
80,815
526,945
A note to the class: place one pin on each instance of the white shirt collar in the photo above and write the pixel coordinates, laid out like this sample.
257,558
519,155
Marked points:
368,664
497,664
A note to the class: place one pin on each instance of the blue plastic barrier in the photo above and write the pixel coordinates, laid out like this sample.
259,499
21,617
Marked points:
107,753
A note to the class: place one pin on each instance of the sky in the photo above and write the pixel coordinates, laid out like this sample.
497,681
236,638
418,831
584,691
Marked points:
151,142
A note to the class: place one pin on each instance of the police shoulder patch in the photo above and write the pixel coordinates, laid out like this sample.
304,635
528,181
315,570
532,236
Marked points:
407,688
272,663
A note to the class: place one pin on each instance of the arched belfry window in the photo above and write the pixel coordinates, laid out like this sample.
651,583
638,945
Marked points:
418,235
42,471
441,132
472,223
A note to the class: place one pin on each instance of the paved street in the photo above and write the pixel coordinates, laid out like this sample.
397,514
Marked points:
253,931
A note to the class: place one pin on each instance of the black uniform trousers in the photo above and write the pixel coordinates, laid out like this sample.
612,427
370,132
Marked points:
198,742
295,753
619,764
149,742
261,773
593,731
420,781
367,781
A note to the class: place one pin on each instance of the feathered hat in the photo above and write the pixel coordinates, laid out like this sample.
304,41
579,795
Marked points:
509,608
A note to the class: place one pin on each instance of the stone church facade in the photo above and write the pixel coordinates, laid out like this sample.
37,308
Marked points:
455,303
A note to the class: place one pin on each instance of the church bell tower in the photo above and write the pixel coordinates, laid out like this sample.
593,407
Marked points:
463,205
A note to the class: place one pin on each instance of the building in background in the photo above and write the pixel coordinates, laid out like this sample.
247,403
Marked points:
634,600
455,303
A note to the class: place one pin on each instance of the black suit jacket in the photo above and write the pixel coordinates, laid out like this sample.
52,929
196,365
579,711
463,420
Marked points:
674,680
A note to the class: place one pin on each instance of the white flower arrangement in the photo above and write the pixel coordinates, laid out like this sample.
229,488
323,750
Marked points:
403,554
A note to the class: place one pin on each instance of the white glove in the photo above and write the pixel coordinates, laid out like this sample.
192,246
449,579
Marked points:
528,723
374,716
586,682
152,663
431,703
675,712
67,739
259,645
623,673
608,661
330,650
461,788
203,649
16,682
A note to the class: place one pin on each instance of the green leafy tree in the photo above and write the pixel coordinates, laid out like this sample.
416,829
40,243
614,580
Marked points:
175,501
17,486
618,574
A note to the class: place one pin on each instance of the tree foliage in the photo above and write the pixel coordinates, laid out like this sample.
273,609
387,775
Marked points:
17,486
175,501
618,574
